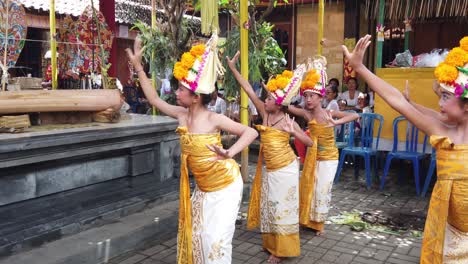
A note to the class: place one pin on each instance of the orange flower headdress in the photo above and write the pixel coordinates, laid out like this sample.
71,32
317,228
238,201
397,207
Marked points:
199,68
286,85
316,77
452,73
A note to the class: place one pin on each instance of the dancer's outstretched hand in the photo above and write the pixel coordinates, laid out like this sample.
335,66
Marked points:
232,62
355,58
221,153
135,55
329,118
288,125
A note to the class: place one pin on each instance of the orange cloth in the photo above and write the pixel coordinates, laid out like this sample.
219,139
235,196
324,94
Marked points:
210,176
323,149
449,200
275,148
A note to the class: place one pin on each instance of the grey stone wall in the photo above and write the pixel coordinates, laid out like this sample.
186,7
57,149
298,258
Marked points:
40,163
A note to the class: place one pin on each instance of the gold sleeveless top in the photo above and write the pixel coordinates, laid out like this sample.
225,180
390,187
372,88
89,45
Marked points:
277,152
209,175
324,148
449,199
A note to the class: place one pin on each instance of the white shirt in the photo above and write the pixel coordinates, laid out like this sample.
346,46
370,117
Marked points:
333,105
351,102
218,107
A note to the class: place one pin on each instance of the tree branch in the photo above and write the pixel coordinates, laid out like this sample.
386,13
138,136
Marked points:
268,11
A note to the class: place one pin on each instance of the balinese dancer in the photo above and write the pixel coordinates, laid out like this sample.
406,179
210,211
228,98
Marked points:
207,221
322,159
445,238
274,200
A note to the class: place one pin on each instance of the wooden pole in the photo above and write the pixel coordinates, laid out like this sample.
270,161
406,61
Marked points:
380,43
321,12
53,44
5,50
407,33
243,109
153,54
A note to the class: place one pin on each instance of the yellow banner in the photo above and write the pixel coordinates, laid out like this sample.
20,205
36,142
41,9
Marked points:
420,81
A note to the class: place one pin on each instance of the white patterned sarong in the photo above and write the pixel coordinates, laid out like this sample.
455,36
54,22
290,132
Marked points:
213,223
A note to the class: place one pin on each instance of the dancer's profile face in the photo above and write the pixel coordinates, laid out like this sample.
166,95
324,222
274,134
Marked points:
184,96
270,104
451,107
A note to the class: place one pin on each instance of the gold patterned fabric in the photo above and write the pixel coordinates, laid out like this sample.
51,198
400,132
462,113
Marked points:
449,203
323,149
275,149
274,197
210,176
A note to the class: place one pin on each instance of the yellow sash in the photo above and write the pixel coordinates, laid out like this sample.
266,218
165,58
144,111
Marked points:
452,172
277,152
323,149
210,176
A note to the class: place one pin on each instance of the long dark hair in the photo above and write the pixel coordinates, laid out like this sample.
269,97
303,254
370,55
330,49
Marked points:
205,98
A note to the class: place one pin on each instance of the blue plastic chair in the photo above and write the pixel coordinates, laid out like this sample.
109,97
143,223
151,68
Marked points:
366,148
430,172
410,152
342,133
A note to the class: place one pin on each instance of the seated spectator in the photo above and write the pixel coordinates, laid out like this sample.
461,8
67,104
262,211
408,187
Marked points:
217,104
351,94
233,111
342,104
363,102
334,82
331,94
131,95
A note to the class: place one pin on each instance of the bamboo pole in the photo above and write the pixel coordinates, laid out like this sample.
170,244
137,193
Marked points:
53,44
407,33
380,43
243,109
321,12
153,54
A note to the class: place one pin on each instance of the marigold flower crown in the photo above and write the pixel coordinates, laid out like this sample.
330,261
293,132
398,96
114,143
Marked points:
199,68
452,73
316,76
283,87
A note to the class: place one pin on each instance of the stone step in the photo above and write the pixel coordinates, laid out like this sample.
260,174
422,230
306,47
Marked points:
99,244
31,223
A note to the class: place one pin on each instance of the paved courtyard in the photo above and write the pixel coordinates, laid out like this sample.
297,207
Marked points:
339,244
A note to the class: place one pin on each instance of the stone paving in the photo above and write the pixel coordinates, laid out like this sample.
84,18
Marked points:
339,244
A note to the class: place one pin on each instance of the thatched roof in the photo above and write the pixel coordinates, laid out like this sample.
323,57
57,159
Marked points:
126,11
419,10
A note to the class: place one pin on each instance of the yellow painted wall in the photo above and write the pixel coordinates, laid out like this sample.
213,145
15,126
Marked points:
420,82
307,30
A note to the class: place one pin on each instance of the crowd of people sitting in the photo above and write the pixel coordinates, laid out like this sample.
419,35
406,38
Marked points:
351,100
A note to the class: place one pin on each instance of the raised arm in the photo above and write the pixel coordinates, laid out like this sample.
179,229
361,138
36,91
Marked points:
343,117
296,111
423,109
246,136
147,87
390,94
245,84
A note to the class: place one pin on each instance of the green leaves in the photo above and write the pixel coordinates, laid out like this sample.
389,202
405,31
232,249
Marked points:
265,56
157,45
